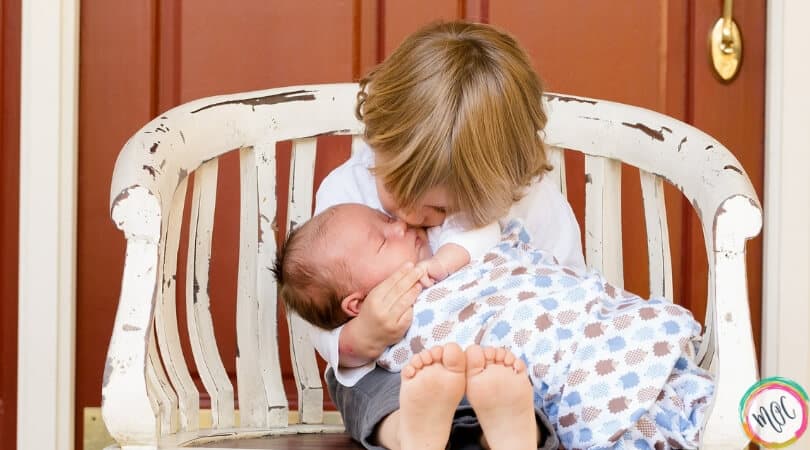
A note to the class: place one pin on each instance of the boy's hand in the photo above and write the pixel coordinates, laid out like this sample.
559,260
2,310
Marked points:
386,314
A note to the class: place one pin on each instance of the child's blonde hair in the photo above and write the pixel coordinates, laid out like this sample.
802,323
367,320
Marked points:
457,105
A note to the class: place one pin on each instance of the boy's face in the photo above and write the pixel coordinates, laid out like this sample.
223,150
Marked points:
429,211
374,245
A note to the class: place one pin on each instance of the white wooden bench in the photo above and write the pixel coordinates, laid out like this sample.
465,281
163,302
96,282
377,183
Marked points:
149,399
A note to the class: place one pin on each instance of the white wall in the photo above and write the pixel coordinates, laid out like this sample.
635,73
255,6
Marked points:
786,278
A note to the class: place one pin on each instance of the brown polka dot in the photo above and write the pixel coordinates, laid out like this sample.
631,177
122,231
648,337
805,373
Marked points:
661,348
605,366
576,377
617,405
437,294
646,427
568,420
648,393
442,330
647,313
417,344
543,322
567,316
384,363
497,273
634,357
540,370
558,355
623,321
674,310
519,271
489,257
610,290
593,330
467,312
570,272
590,305
673,443
468,285
589,413
522,337
479,336
616,436
660,445
401,355
525,295
497,300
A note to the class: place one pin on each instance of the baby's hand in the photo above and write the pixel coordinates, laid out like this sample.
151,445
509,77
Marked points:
434,271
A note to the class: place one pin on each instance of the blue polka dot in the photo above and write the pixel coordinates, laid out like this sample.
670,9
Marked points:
573,399
681,363
549,303
564,333
637,414
542,281
616,343
585,435
488,291
629,380
671,327
424,317
501,329
641,444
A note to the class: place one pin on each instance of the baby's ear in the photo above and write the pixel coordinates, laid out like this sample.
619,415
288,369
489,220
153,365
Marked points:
351,304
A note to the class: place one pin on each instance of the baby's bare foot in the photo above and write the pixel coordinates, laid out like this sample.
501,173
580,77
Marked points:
432,386
499,391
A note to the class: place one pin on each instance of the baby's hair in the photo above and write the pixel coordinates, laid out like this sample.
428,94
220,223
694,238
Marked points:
457,104
309,284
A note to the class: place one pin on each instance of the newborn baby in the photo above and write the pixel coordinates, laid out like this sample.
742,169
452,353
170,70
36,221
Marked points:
609,368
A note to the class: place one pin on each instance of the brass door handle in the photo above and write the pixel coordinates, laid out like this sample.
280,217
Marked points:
725,44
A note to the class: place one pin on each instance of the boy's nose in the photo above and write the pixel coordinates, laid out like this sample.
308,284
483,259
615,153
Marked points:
413,218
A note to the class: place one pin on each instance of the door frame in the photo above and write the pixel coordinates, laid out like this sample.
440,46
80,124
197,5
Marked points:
49,70
786,265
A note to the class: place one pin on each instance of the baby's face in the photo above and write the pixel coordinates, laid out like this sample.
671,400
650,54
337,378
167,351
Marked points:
373,244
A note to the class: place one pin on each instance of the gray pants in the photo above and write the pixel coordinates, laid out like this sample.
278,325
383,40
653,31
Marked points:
376,395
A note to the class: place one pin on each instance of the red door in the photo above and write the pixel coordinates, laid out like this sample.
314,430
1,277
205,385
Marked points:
141,58
9,217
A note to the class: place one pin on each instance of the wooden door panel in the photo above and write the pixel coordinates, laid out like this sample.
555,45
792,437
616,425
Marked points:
10,15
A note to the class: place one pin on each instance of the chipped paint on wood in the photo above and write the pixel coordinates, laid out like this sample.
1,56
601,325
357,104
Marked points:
292,96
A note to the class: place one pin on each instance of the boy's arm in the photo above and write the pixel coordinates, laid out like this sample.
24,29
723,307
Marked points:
384,318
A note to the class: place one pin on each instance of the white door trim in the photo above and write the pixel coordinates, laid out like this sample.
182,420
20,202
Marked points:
786,265
47,261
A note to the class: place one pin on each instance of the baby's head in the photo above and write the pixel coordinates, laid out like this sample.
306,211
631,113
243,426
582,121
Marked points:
456,107
328,265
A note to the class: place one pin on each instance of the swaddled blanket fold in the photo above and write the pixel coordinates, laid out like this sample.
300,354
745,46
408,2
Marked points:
610,369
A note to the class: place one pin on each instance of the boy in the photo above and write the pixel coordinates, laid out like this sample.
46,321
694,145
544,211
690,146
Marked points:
607,367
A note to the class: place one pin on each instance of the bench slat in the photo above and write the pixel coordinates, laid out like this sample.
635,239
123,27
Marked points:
198,303
161,394
277,411
168,336
252,401
556,157
603,226
299,210
655,215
